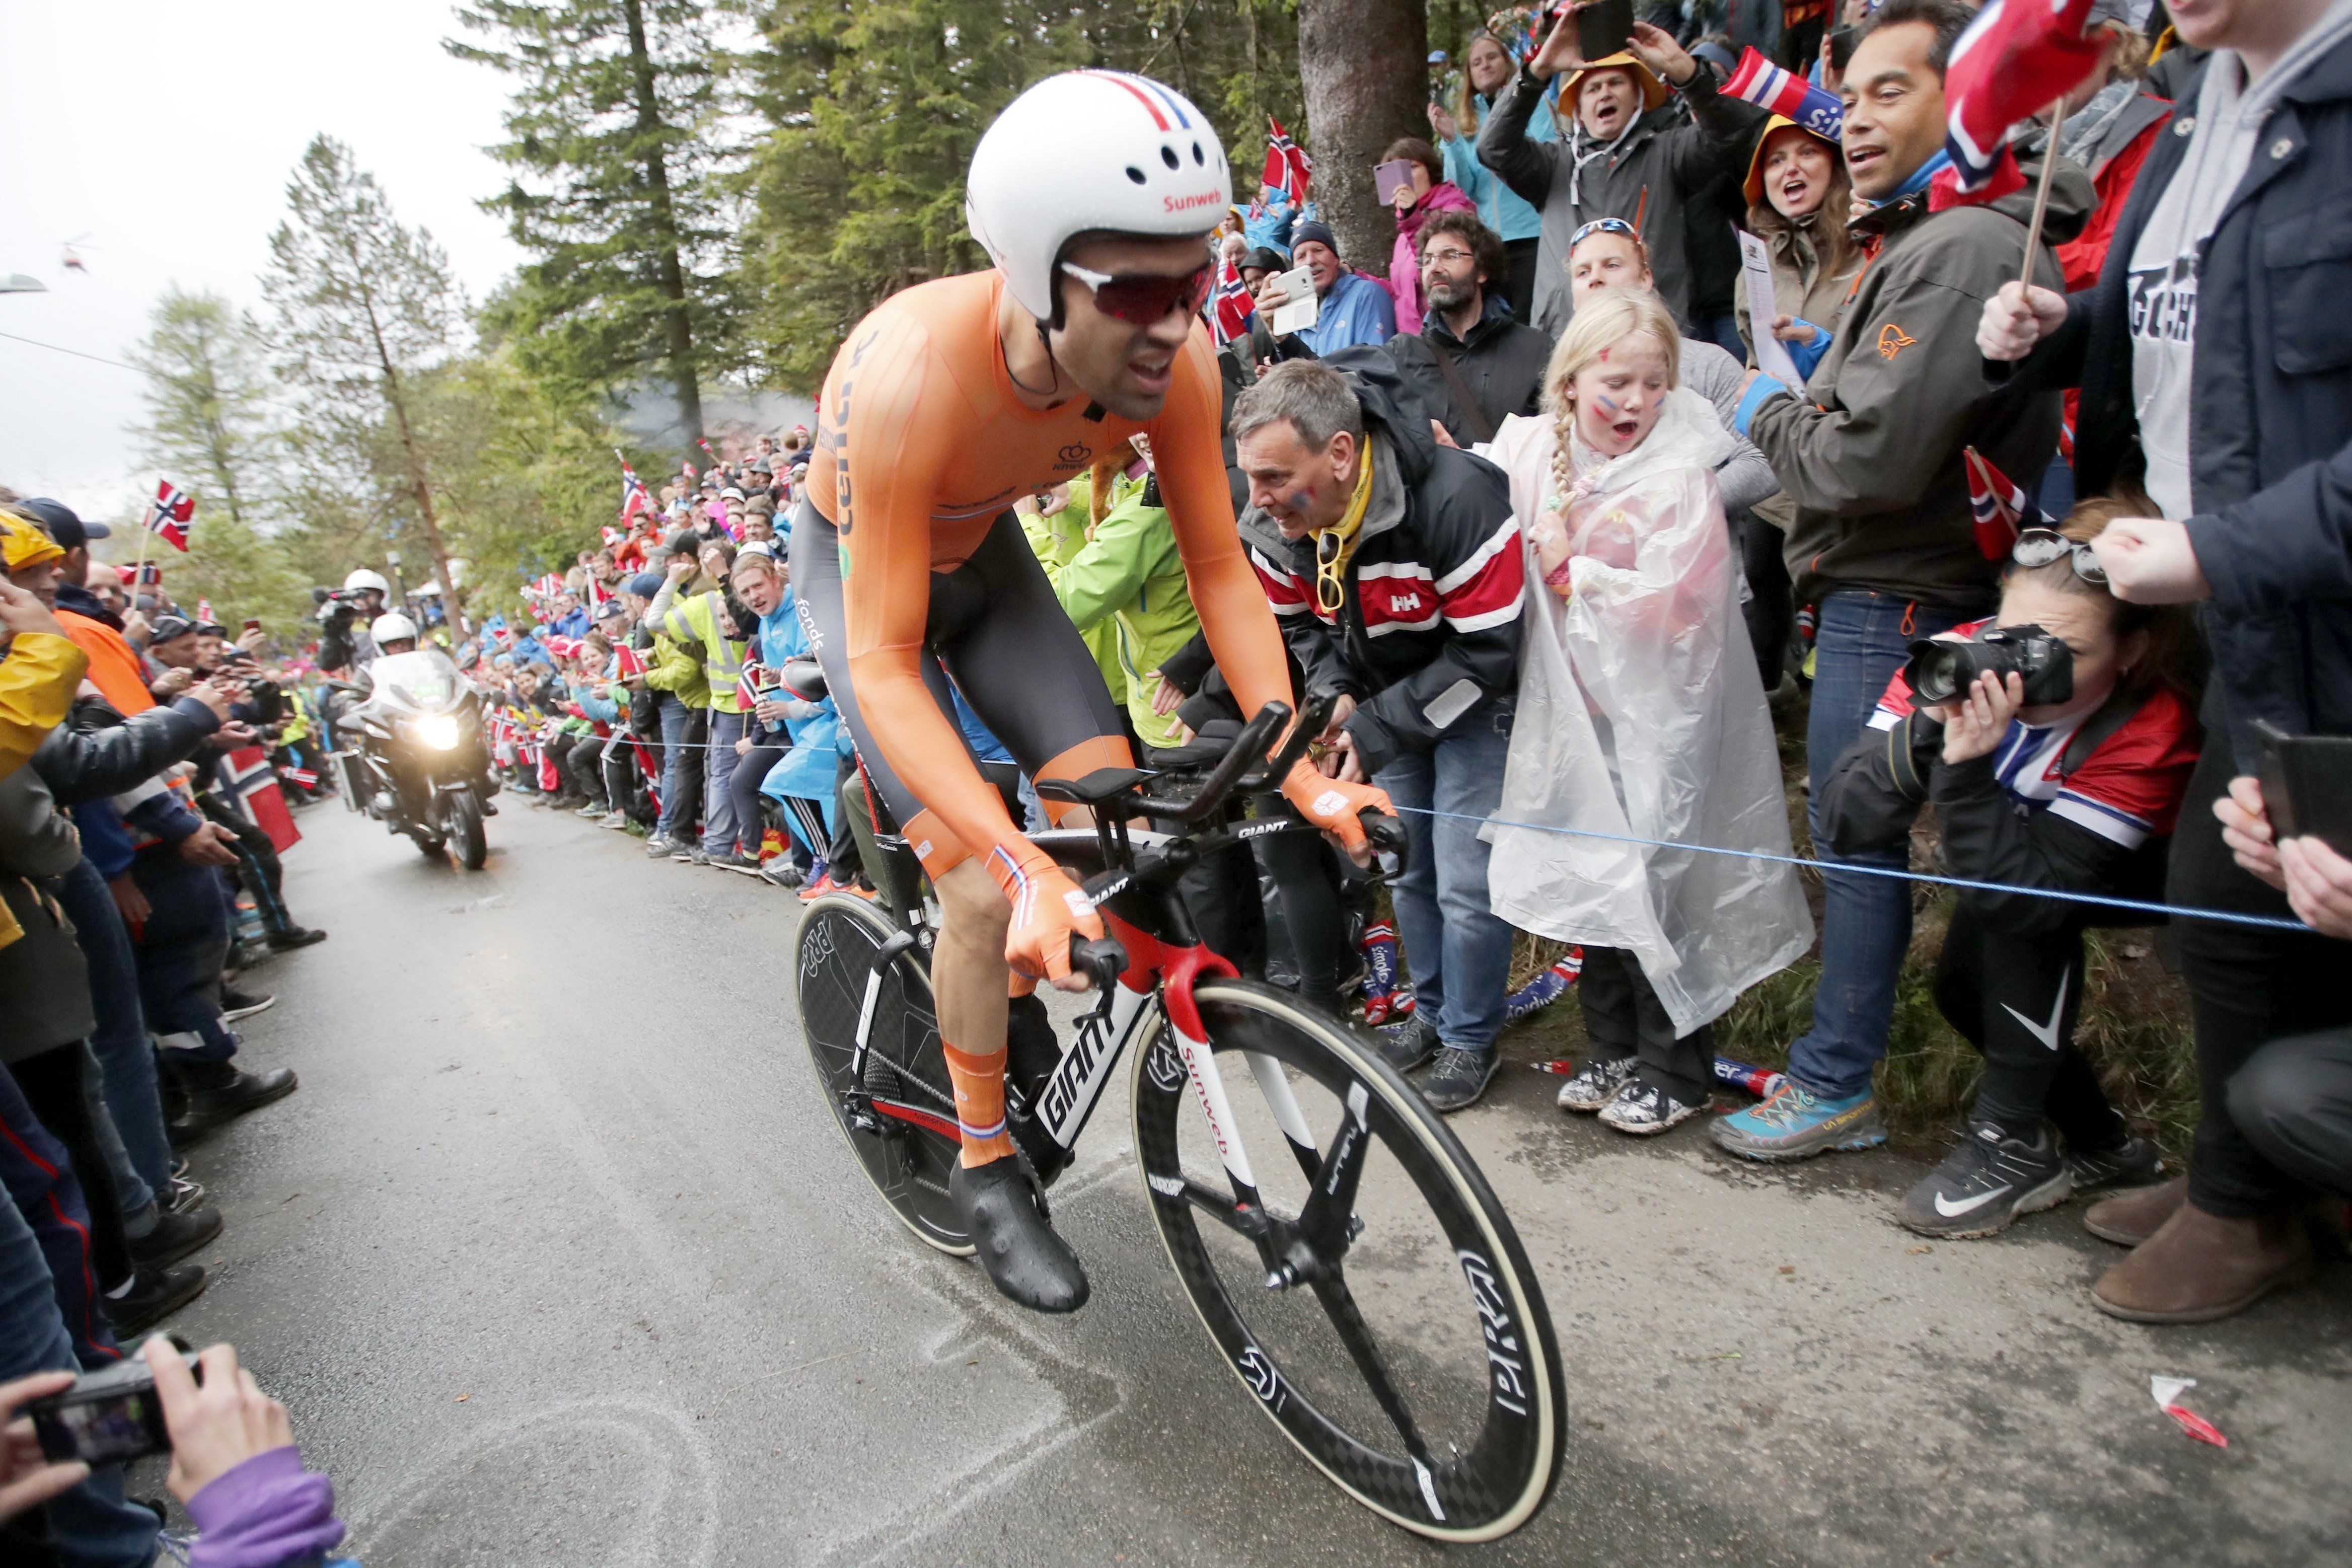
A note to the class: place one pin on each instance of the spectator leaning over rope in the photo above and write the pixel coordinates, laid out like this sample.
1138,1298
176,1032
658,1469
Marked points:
1394,570
1471,364
1625,157
2218,333
1886,543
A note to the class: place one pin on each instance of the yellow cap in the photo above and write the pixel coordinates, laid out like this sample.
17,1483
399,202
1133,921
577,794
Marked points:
1653,91
24,544
1753,186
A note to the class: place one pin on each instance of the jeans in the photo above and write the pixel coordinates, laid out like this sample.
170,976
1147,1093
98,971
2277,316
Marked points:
721,827
1457,950
682,729
1722,332
91,1525
1863,639
134,1101
45,1191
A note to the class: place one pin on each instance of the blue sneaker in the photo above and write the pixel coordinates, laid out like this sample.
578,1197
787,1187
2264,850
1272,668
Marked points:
1796,1123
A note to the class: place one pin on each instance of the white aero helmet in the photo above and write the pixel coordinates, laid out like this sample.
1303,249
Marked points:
391,628
1090,150
363,578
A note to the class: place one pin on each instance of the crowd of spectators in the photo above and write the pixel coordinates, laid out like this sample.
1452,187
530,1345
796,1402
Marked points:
1554,551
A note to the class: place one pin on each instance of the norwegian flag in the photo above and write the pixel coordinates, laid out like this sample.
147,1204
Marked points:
251,784
205,612
753,680
546,587
628,663
168,514
301,777
634,498
1231,307
2001,510
708,450
612,536
2017,58
689,470
1287,167
499,631
1759,81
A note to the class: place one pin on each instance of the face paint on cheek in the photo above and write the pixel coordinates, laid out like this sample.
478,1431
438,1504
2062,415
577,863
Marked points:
1300,500
1608,404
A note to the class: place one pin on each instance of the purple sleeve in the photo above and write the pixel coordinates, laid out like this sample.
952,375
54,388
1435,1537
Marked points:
268,1512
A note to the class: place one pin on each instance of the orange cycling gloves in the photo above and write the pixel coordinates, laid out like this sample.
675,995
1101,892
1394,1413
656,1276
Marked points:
1331,805
1047,908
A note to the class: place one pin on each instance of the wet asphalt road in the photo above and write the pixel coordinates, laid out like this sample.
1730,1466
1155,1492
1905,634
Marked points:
557,1258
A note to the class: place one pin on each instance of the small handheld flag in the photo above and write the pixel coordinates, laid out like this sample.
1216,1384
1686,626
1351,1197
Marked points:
2001,510
1232,308
2017,58
1287,167
1759,81
168,514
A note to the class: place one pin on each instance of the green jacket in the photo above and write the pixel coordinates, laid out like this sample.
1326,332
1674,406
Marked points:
1057,541
695,619
1129,577
671,669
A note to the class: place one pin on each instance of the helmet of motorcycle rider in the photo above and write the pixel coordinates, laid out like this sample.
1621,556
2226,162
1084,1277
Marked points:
362,578
1147,163
393,628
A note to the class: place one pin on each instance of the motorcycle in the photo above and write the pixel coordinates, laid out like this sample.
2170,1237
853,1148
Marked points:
415,760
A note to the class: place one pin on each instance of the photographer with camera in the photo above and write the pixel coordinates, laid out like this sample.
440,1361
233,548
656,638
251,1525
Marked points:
2057,741
342,643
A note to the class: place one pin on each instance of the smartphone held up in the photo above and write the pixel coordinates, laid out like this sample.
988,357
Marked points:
106,1417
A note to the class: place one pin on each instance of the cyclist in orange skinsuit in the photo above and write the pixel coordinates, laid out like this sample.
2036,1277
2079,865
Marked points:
1094,193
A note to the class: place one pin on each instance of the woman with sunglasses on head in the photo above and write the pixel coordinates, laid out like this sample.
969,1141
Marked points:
2077,794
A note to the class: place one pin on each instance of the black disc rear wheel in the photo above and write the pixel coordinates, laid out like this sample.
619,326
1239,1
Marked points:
1407,1355
898,1115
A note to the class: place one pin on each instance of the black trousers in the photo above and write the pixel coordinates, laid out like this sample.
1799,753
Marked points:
1519,278
743,788
58,1084
1314,917
1622,1017
2293,1102
259,868
2248,986
2016,999
582,767
1771,609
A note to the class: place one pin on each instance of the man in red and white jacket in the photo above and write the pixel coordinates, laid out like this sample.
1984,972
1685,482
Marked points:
1395,568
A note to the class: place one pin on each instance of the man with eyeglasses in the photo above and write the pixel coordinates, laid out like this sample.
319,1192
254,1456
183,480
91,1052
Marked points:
947,403
1472,365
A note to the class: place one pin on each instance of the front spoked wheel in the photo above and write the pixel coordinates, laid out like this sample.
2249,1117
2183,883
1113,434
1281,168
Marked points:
896,1110
1357,1271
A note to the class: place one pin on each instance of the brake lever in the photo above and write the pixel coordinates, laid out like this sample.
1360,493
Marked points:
1386,835
1103,961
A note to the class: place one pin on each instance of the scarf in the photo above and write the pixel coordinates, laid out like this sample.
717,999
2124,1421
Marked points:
1331,575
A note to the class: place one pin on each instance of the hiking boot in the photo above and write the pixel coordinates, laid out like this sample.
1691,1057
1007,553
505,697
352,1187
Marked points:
1013,1233
295,937
176,1234
1644,1109
1596,1082
220,1092
2132,1163
1459,1076
1985,1183
2199,1266
236,1004
2129,1218
155,1295
1405,1046
1796,1125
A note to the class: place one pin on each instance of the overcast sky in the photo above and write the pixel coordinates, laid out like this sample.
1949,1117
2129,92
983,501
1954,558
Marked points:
164,131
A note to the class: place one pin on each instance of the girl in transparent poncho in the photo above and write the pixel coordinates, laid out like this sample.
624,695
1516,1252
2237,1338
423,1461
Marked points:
1634,724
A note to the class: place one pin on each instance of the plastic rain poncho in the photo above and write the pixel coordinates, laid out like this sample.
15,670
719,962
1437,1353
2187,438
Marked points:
1641,715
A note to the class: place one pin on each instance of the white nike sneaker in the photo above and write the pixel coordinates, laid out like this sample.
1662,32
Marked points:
1986,1182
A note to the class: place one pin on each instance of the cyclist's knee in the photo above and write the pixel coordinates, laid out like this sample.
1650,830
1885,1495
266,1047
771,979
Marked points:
970,901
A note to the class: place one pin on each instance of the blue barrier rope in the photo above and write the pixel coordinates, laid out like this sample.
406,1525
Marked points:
2227,916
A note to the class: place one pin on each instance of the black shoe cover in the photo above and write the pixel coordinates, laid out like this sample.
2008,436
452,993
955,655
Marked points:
1026,1262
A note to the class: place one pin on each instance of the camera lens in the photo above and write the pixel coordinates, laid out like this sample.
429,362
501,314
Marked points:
1936,673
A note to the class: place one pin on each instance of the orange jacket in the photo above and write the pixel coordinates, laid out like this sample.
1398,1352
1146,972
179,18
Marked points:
114,669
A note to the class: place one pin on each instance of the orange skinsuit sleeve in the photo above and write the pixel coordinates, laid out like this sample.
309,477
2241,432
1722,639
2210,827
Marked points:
1188,452
898,405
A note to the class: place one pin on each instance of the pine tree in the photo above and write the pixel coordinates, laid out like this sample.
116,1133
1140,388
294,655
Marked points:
618,132
364,306
207,428
1364,64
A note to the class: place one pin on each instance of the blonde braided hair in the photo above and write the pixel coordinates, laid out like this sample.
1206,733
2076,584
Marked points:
1599,322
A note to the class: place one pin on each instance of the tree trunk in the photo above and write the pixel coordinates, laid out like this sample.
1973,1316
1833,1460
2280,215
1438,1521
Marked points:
1365,66
396,398
670,270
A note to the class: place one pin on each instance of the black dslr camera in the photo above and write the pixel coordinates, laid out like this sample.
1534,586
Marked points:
1940,673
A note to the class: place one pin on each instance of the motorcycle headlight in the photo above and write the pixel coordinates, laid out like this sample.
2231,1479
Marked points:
438,730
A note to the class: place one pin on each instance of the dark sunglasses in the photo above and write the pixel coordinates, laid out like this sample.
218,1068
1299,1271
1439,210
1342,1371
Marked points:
2040,546
1145,299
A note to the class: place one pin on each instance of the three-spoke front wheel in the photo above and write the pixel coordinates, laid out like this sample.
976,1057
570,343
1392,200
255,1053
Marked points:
1372,1298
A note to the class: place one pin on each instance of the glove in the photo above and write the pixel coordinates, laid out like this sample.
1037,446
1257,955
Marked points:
1331,805
1047,908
